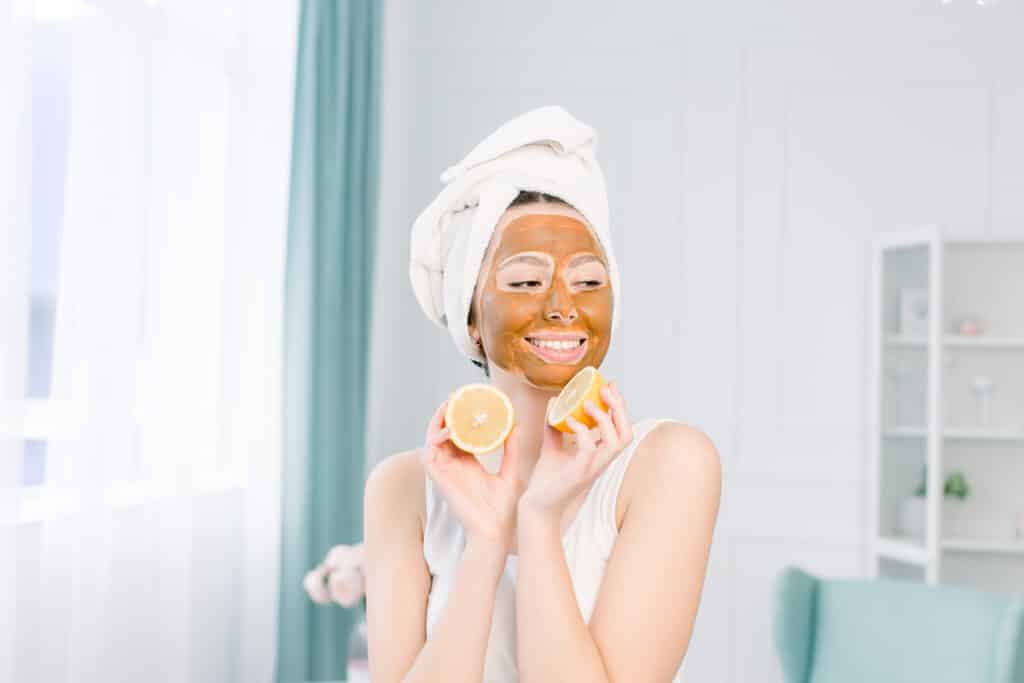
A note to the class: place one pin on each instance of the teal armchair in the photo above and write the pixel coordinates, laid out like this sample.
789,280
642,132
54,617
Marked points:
893,631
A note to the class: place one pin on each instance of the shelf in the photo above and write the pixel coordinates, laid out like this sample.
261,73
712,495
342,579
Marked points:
903,549
958,434
982,434
911,550
905,433
984,545
903,340
955,341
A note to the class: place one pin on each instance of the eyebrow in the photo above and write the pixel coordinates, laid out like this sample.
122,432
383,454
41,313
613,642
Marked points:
583,258
524,258
538,261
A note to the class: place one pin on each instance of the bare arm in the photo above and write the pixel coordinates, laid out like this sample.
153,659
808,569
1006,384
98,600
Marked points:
655,576
666,532
398,583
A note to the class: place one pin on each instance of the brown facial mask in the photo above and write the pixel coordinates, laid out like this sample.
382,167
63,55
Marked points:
545,273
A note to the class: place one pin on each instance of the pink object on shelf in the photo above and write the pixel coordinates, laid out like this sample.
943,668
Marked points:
968,326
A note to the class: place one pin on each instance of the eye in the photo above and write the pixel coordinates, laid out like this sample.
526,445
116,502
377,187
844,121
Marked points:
592,283
519,285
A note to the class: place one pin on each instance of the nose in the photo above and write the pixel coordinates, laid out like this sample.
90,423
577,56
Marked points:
559,305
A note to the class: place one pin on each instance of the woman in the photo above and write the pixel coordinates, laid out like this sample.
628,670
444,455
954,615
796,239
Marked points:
576,558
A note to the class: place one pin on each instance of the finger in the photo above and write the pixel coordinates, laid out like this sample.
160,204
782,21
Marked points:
584,440
612,397
434,450
444,456
588,454
439,436
431,458
436,421
617,406
434,439
609,434
606,456
585,463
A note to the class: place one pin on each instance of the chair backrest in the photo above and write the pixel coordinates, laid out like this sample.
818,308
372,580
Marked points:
857,630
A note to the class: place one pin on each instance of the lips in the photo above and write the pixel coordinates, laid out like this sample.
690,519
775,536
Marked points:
567,356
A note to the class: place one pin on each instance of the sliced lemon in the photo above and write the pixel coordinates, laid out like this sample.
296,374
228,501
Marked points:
480,417
584,386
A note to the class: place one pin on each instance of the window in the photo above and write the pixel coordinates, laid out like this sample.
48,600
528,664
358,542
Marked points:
160,104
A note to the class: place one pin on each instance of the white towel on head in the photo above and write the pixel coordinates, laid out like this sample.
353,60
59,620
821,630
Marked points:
543,150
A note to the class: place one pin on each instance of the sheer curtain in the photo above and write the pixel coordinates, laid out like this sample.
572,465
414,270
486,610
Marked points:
146,185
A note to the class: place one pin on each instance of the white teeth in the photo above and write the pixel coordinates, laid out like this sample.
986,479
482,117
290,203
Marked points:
556,345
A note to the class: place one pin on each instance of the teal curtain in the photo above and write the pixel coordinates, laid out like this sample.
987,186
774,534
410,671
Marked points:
328,292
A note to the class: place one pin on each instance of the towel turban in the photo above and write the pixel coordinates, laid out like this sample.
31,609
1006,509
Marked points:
544,150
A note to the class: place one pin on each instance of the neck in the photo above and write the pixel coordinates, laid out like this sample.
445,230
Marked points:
530,404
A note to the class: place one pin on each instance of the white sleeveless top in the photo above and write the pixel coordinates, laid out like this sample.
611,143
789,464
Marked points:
588,544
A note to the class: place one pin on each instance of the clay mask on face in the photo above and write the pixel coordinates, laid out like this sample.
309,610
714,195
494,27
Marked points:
546,273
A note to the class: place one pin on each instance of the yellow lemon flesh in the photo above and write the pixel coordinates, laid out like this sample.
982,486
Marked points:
480,418
584,386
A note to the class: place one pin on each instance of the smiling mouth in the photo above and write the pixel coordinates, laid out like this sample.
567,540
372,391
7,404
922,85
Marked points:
559,352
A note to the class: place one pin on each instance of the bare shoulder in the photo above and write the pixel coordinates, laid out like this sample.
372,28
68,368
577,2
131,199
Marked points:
673,448
398,579
398,479
671,452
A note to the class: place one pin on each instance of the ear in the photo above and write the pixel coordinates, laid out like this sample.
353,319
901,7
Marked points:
474,332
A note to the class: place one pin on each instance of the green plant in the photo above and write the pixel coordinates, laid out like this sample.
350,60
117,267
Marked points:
955,486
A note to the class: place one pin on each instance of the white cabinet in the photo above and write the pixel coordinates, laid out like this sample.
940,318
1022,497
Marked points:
946,391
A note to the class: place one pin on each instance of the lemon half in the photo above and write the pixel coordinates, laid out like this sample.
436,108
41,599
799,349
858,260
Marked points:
480,417
584,386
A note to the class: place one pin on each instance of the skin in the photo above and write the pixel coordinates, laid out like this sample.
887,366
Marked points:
568,291
514,300
542,482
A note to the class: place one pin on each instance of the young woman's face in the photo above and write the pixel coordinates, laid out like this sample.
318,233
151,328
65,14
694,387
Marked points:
545,274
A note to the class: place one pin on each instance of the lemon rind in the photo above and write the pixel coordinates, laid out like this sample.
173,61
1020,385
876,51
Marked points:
494,445
590,369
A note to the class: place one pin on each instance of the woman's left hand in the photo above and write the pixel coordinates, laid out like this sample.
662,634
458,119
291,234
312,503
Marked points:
566,466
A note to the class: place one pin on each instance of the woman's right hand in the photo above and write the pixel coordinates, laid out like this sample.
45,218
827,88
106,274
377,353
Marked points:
484,503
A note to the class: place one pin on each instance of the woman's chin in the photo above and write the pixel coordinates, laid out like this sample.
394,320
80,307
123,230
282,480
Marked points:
544,375
550,376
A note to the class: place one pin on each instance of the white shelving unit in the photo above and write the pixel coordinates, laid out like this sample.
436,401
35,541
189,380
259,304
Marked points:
925,407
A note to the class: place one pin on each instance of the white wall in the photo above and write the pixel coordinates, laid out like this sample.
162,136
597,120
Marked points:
752,150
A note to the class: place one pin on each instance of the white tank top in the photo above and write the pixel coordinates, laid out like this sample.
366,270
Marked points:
588,544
